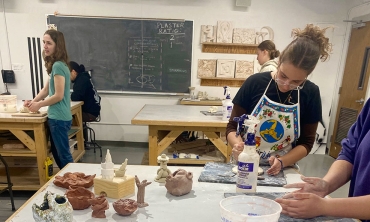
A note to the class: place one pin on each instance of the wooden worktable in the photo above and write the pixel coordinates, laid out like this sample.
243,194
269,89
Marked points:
201,102
167,122
31,131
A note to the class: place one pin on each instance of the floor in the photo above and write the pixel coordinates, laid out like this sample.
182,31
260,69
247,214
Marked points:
312,165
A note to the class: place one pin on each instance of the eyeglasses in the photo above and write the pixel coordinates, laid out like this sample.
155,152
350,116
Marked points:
284,81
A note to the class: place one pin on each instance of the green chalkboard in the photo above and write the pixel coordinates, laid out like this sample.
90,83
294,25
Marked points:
131,54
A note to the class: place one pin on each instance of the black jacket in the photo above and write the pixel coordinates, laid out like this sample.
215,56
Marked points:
83,90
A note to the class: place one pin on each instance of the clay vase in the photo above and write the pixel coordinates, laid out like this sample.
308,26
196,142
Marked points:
55,208
79,197
74,179
125,207
179,183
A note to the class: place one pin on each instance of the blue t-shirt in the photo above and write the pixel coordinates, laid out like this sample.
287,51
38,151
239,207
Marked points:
356,150
62,109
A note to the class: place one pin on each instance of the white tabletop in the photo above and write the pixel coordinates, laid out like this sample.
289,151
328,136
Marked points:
201,204
177,115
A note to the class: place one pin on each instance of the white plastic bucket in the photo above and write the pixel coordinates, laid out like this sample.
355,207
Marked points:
243,208
8,103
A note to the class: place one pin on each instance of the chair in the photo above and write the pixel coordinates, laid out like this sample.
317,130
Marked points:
89,136
9,183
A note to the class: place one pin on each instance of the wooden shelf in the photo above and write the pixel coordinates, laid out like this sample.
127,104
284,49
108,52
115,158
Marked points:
232,48
214,81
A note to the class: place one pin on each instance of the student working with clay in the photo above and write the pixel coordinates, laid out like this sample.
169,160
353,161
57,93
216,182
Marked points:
286,103
57,88
352,165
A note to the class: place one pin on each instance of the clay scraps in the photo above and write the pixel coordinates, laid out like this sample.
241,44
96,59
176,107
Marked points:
74,179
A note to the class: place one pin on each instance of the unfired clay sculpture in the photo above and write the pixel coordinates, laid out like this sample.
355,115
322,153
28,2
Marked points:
99,205
107,171
55,208
74,179
122,170
79,197
163,171
125,207
141,192
179,183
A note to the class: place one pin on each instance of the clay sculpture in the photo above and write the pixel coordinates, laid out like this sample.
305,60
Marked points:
74,179
99,205
125,207
55,208
179,183
163,171
79,197
141,192
122,170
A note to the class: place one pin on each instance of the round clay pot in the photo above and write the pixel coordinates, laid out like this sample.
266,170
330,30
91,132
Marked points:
125,207
79,197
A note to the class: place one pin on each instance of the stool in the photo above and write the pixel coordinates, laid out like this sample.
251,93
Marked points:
89,136
9,187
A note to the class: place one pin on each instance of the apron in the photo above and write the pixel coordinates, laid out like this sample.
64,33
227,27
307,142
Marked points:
278,128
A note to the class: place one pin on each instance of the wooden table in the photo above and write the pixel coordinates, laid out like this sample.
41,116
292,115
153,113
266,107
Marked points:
201,204
167,122
31,131
201,102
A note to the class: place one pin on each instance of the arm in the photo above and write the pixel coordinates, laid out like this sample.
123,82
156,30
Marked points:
36,104
43,93
353,207
232,126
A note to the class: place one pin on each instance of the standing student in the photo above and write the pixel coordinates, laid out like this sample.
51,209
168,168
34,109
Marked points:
84,90
352,165
266,55
286,103
57,88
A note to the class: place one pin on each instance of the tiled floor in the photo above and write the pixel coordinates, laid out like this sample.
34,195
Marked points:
313,165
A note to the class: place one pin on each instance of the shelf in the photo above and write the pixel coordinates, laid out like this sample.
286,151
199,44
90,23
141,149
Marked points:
232,48
73,131
214,81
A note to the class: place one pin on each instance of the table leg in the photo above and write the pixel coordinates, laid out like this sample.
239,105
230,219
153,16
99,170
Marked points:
153,145
41,150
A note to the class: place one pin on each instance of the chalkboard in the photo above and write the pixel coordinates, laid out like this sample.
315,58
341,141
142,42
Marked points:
131,54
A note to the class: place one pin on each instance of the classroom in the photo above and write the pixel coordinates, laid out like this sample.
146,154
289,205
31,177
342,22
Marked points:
146,60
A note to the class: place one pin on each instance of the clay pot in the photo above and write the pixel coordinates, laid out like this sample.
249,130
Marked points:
74,179
79,197
54,208
125,207
179,183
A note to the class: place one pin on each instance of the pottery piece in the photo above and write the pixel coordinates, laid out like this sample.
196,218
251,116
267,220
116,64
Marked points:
122,170
74,179
125,207
55,208
208,33
179,183
141,192
107,171
79,197
99,205
163,171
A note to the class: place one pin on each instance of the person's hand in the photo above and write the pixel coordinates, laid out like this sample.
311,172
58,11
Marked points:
313,185
26,103
237,149
275,166
303,205
34,106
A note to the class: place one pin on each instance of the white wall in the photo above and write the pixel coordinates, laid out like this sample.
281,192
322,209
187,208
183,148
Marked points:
25,18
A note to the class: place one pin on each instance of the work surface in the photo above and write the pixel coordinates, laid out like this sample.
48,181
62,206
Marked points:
201,204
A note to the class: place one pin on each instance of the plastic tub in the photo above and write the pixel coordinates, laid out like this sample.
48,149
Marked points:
243,208
8,103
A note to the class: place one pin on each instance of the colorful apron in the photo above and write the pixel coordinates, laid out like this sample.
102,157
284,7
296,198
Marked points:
278,127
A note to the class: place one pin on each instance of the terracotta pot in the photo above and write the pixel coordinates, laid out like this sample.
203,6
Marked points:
125,207
79,197
74,179
179,183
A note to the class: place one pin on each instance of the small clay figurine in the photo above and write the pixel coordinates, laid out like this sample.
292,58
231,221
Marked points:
122,170
141,192
107,171
163,171
179,183
125,207
99,205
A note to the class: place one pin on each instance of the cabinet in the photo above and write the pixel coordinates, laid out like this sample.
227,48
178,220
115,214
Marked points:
31,131
230,48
